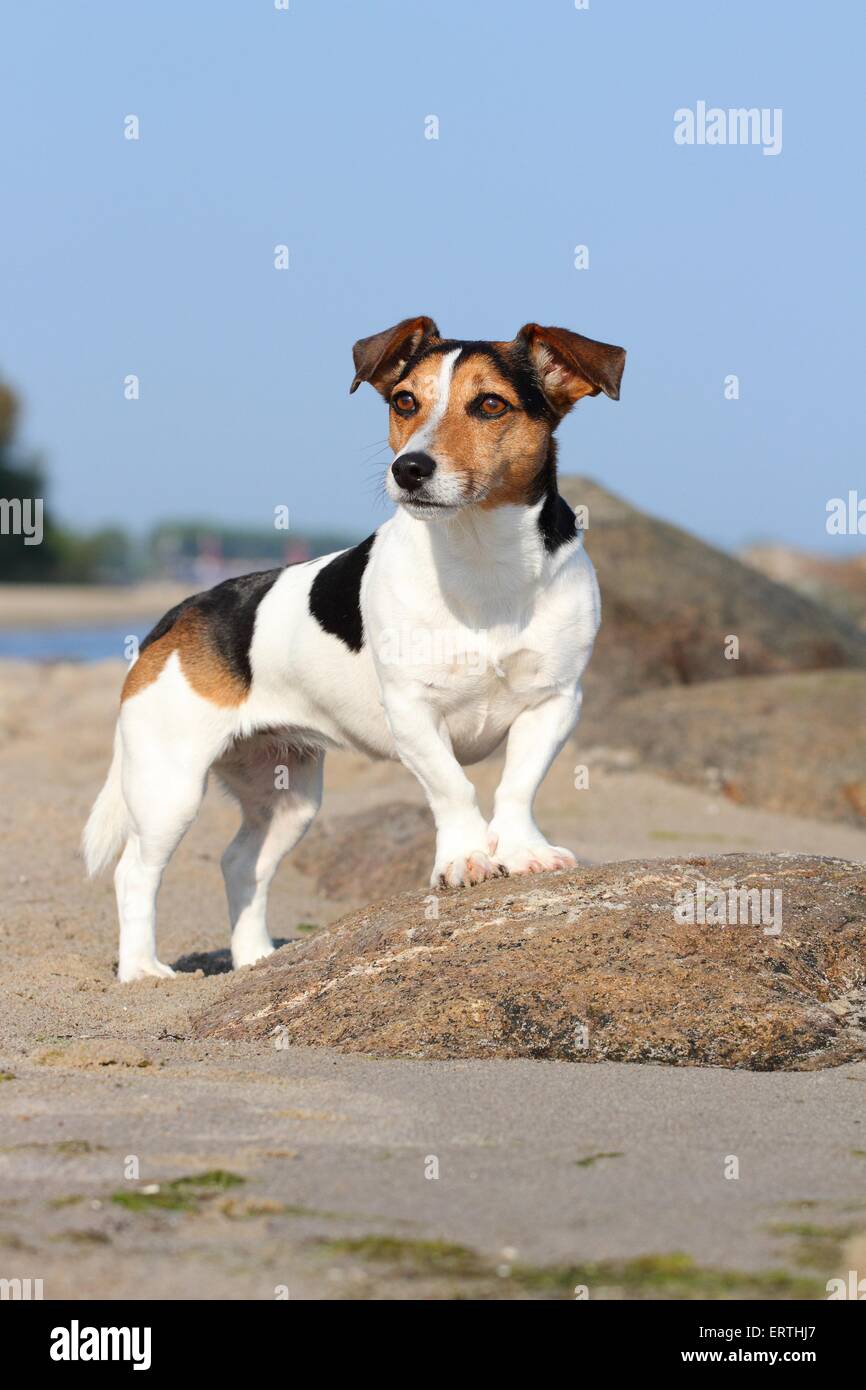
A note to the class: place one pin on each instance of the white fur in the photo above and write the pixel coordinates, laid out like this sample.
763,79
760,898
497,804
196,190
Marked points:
473,632
421,439
108,824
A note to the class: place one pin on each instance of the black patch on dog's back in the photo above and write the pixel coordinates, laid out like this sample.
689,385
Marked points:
228,613
167,622
335,595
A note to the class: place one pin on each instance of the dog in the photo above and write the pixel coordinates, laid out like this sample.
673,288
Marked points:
468,617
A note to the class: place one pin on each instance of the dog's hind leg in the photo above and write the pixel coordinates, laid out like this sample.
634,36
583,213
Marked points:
163,796
279,796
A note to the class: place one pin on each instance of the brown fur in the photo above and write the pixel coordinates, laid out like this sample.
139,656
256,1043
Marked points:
381,358
570,366
202,666
422,384
498,460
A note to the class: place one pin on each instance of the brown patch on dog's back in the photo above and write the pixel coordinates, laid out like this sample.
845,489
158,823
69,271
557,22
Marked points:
148,666
202,665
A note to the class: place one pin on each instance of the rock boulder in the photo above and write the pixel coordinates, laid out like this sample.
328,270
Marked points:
582,966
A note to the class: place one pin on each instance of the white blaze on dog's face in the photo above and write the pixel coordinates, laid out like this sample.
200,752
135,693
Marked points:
471,423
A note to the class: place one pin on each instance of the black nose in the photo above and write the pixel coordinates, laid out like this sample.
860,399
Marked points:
411,470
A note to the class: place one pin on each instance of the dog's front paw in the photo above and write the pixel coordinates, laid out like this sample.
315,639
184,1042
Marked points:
465,869
533,857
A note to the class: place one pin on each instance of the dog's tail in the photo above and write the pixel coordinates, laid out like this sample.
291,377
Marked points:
108,825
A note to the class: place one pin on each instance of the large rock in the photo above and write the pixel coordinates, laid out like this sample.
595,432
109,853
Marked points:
371,853
669,601
586,965
794,743
837,582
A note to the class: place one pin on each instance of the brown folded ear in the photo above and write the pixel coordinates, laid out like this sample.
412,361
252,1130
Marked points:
569,366
381,358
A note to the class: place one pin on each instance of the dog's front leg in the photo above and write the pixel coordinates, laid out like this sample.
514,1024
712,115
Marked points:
423,744
535,738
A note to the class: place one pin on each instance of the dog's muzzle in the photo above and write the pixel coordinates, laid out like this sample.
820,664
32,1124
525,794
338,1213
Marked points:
411,471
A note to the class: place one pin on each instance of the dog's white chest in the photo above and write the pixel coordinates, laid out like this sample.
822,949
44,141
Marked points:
480,649
480,702
485,671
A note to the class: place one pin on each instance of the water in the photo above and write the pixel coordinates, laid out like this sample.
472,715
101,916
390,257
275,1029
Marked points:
91,643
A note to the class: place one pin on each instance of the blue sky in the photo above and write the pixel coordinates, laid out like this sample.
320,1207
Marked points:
306,127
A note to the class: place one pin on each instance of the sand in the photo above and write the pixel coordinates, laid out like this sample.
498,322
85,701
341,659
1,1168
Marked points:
56,605
333,1149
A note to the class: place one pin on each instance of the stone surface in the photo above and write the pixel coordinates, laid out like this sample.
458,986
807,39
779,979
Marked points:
669,601
793,743
520,967
838,582
383,850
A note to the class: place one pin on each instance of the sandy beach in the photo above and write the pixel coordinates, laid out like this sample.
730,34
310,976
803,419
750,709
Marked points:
314,1162
57,605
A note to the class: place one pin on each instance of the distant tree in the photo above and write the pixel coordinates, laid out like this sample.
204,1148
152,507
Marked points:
21,481
175,544
62,555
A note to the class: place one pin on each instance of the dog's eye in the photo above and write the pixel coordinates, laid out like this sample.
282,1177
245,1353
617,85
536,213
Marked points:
404,403
490,406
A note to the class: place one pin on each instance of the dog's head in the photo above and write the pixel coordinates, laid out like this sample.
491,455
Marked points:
471,422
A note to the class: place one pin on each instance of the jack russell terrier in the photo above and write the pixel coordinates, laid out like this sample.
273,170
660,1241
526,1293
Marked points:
470,615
